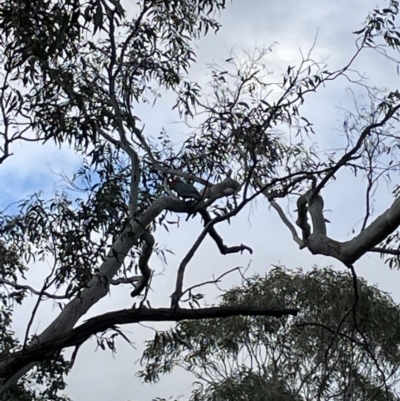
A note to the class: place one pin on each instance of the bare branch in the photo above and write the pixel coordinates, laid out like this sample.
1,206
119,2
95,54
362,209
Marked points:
375,233
347,156
181,270
288,224
147,249
275,205
32,290
225,250
350,251
215,281
395,252
215,192
12,363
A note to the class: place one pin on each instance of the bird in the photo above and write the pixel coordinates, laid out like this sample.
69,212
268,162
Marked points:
184,190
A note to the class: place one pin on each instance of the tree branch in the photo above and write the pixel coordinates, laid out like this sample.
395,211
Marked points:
181,270
270,196
288,224
97,288
127,280
395,252
11,364
158,165
347,156
314,204
127,147
147,250
225,250
350,251
216,191
32,290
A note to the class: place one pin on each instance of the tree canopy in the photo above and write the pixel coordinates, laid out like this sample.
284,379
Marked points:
330,350
74,73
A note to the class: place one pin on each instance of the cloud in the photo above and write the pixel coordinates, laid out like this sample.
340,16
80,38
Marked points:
32,168
293,24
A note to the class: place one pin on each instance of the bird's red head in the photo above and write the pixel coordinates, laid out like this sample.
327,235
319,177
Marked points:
173,182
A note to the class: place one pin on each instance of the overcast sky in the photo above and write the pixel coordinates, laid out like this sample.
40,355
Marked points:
293,24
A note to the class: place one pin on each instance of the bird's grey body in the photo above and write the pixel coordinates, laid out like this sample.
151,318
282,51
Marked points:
184,190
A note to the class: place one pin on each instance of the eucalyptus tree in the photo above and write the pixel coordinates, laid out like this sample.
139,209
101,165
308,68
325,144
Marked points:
73,74
324,353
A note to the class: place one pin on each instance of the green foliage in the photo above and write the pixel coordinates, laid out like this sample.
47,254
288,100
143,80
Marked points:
337,339
71,69
68,69
246,385
48,47
43,383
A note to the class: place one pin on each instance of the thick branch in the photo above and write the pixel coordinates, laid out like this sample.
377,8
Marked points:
147,249
37,352
97,288
350,251
374,234
226,187
315,206
347,252
127,280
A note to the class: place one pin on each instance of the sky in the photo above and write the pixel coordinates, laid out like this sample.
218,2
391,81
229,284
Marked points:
293,24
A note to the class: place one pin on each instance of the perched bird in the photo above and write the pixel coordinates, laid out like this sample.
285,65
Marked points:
184,190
